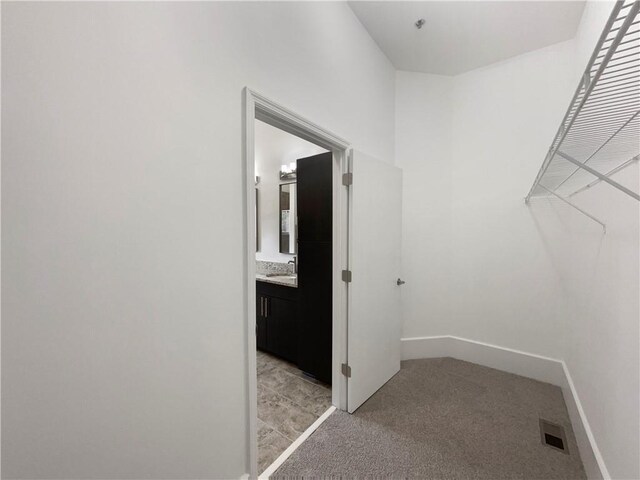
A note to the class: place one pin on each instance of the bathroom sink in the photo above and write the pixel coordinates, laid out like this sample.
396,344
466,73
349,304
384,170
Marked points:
281,275
287,279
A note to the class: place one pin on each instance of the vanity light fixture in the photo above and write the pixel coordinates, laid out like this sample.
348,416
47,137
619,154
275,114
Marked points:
288,171
420,23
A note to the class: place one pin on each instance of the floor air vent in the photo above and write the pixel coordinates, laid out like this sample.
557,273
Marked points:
553,436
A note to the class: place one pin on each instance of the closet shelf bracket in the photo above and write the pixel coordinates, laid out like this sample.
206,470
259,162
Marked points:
602,224
608,174
599,175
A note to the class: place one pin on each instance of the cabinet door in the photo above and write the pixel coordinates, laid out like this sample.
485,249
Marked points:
282,335
261,323
314,176
316,311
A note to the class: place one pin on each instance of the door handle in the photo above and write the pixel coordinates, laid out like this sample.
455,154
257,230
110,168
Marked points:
266,306
262,306
400,282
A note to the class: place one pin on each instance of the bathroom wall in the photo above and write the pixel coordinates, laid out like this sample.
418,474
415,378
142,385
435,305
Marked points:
273,148
123,229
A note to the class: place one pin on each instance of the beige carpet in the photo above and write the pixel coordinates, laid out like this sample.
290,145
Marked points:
443,419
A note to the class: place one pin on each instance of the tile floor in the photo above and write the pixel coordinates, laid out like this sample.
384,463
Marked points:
288,403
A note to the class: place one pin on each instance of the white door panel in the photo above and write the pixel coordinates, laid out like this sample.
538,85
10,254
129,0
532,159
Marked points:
374,324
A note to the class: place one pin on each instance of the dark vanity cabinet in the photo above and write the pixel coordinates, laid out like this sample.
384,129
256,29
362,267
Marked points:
296,323
277,320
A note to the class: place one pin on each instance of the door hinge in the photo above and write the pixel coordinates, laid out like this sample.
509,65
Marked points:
346,370
346,276
347,179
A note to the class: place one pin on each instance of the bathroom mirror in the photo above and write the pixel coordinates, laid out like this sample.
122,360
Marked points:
288,219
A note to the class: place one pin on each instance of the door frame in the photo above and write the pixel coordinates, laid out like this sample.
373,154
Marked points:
257,106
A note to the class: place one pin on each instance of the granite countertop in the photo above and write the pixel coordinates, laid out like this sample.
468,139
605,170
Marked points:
276,272
288,280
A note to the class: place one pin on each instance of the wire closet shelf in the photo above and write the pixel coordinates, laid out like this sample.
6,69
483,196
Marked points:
600,133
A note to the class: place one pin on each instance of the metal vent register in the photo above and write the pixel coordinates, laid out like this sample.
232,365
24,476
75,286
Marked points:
553,436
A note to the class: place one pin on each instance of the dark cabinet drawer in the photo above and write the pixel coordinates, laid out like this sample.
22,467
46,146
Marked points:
315,197
316,309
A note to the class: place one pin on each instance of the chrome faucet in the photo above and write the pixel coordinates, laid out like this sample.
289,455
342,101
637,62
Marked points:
295,264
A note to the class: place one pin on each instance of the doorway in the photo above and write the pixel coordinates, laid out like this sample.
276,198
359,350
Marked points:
365,229
263,302
293,287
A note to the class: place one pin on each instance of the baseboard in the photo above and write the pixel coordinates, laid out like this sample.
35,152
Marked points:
529,365
592,458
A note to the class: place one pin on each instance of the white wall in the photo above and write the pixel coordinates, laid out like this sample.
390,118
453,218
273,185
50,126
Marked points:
273,148
504,118
600,277
123,336
470,252
541,279
423,151
514,301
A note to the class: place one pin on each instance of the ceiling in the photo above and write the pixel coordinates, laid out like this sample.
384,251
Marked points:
461,36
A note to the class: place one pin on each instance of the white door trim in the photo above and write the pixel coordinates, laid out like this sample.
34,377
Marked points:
256,106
